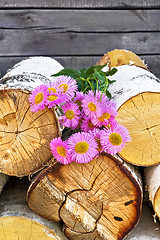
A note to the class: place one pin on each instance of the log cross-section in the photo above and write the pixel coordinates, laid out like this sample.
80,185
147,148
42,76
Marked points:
24,135
99,199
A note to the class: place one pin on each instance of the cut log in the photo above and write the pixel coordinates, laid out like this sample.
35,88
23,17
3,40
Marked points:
147,229
24,135
45,66
119,57
17,221
98,200
152,178
137,95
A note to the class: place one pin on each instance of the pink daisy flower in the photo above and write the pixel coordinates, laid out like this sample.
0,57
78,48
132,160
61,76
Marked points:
101,96
111,103
91,106
59,150
78,99
70,118
96,132
82,147
108,113
67,86
111,124
55,96
113,140
87,124
38,98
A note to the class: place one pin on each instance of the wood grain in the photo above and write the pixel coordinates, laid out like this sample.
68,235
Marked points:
102,196
79,4
51,42
82,20
17,221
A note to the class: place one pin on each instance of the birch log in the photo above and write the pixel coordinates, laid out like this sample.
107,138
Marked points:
152,178
17,221
25,136
137,95
101,199
45,66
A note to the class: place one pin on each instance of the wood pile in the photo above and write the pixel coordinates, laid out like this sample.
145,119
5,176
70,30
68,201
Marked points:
101,199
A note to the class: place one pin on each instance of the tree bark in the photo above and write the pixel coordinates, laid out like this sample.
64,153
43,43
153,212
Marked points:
101,199
137,95
45,66
25,136
17,221
152,178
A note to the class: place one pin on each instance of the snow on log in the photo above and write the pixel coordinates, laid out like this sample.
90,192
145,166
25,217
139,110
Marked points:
24,135
119,57
101,199
17,221
152,178
45,66
137,95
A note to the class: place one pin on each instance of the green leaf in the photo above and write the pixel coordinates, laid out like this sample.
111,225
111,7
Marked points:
92,69
68,72
111,72
108,94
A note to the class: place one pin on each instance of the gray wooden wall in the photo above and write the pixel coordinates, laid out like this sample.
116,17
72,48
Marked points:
78,33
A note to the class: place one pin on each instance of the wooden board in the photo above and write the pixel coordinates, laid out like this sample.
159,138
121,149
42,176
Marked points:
79,4
50,42
82,20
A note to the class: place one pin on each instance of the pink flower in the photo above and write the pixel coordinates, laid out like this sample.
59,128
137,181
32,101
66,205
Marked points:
101,96
59,150
108,113
97,134
113,140
67,86
87,124
91,106
82,147
78,99
54,97
70,118
38,98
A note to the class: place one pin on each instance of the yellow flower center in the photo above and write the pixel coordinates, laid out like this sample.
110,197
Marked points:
81,147
104,116
64,86
52,89
69,114
61,151
38,98
92,107
52,98
115,139
99,148
90,124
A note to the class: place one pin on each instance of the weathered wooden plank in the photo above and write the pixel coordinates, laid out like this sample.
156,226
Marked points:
82,20
50,42
79,62
79,4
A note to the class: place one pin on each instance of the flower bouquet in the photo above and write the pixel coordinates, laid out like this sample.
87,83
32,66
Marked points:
86,109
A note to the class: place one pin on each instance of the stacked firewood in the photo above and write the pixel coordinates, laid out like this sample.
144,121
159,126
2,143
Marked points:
101,199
